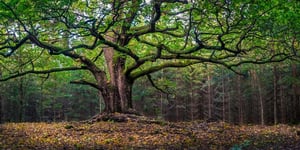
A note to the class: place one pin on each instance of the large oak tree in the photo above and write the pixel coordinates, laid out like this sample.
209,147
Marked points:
119,41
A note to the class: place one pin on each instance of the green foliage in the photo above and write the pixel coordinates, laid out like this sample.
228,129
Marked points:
245,144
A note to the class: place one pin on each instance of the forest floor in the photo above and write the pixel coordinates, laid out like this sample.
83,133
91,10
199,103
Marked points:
147,135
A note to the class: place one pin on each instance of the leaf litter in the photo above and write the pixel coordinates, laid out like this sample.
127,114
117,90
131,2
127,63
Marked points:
147,135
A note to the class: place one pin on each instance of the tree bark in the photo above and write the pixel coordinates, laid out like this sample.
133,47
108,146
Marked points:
223,98
229,101
100,101
209,92
116,88
1,114
260,96
116,92
261,101
21,97
275,94
240,100
192,100
295,95
282,102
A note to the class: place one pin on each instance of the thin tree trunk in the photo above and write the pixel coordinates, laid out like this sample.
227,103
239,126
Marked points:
275,87
240,100
262,112
177,108
223,98
261,101
209,92
100,101
254,98
229,102
256,85
294,95
1,114
177,101
282,103
21,100
1,103
161,100
192,100
161,105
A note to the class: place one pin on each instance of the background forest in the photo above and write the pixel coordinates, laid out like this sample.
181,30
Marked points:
267,94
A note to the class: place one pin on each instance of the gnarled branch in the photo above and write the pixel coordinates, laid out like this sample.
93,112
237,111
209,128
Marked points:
43,72
84,82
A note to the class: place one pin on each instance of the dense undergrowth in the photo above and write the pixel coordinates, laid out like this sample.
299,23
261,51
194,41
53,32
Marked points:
147,135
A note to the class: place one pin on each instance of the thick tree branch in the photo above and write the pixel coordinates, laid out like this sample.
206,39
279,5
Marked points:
120,49
175,1
42,72
54,50
273,59
83,82
69,52
12,49
176,64
187,60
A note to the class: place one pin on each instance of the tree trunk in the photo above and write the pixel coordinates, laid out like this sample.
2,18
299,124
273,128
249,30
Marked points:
21,97
116,90
1,101
115,87
240,100
229,101
116,93
1,114
223,98
260,97
209,92
100,101
275,87
295,96
177,101
282,102
261,102
161,101
192,100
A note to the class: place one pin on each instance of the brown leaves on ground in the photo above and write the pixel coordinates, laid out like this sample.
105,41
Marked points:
137,135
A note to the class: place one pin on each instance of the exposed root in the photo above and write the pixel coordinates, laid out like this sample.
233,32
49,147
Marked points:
130,116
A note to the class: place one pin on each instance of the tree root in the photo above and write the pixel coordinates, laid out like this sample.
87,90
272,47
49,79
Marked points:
130,116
